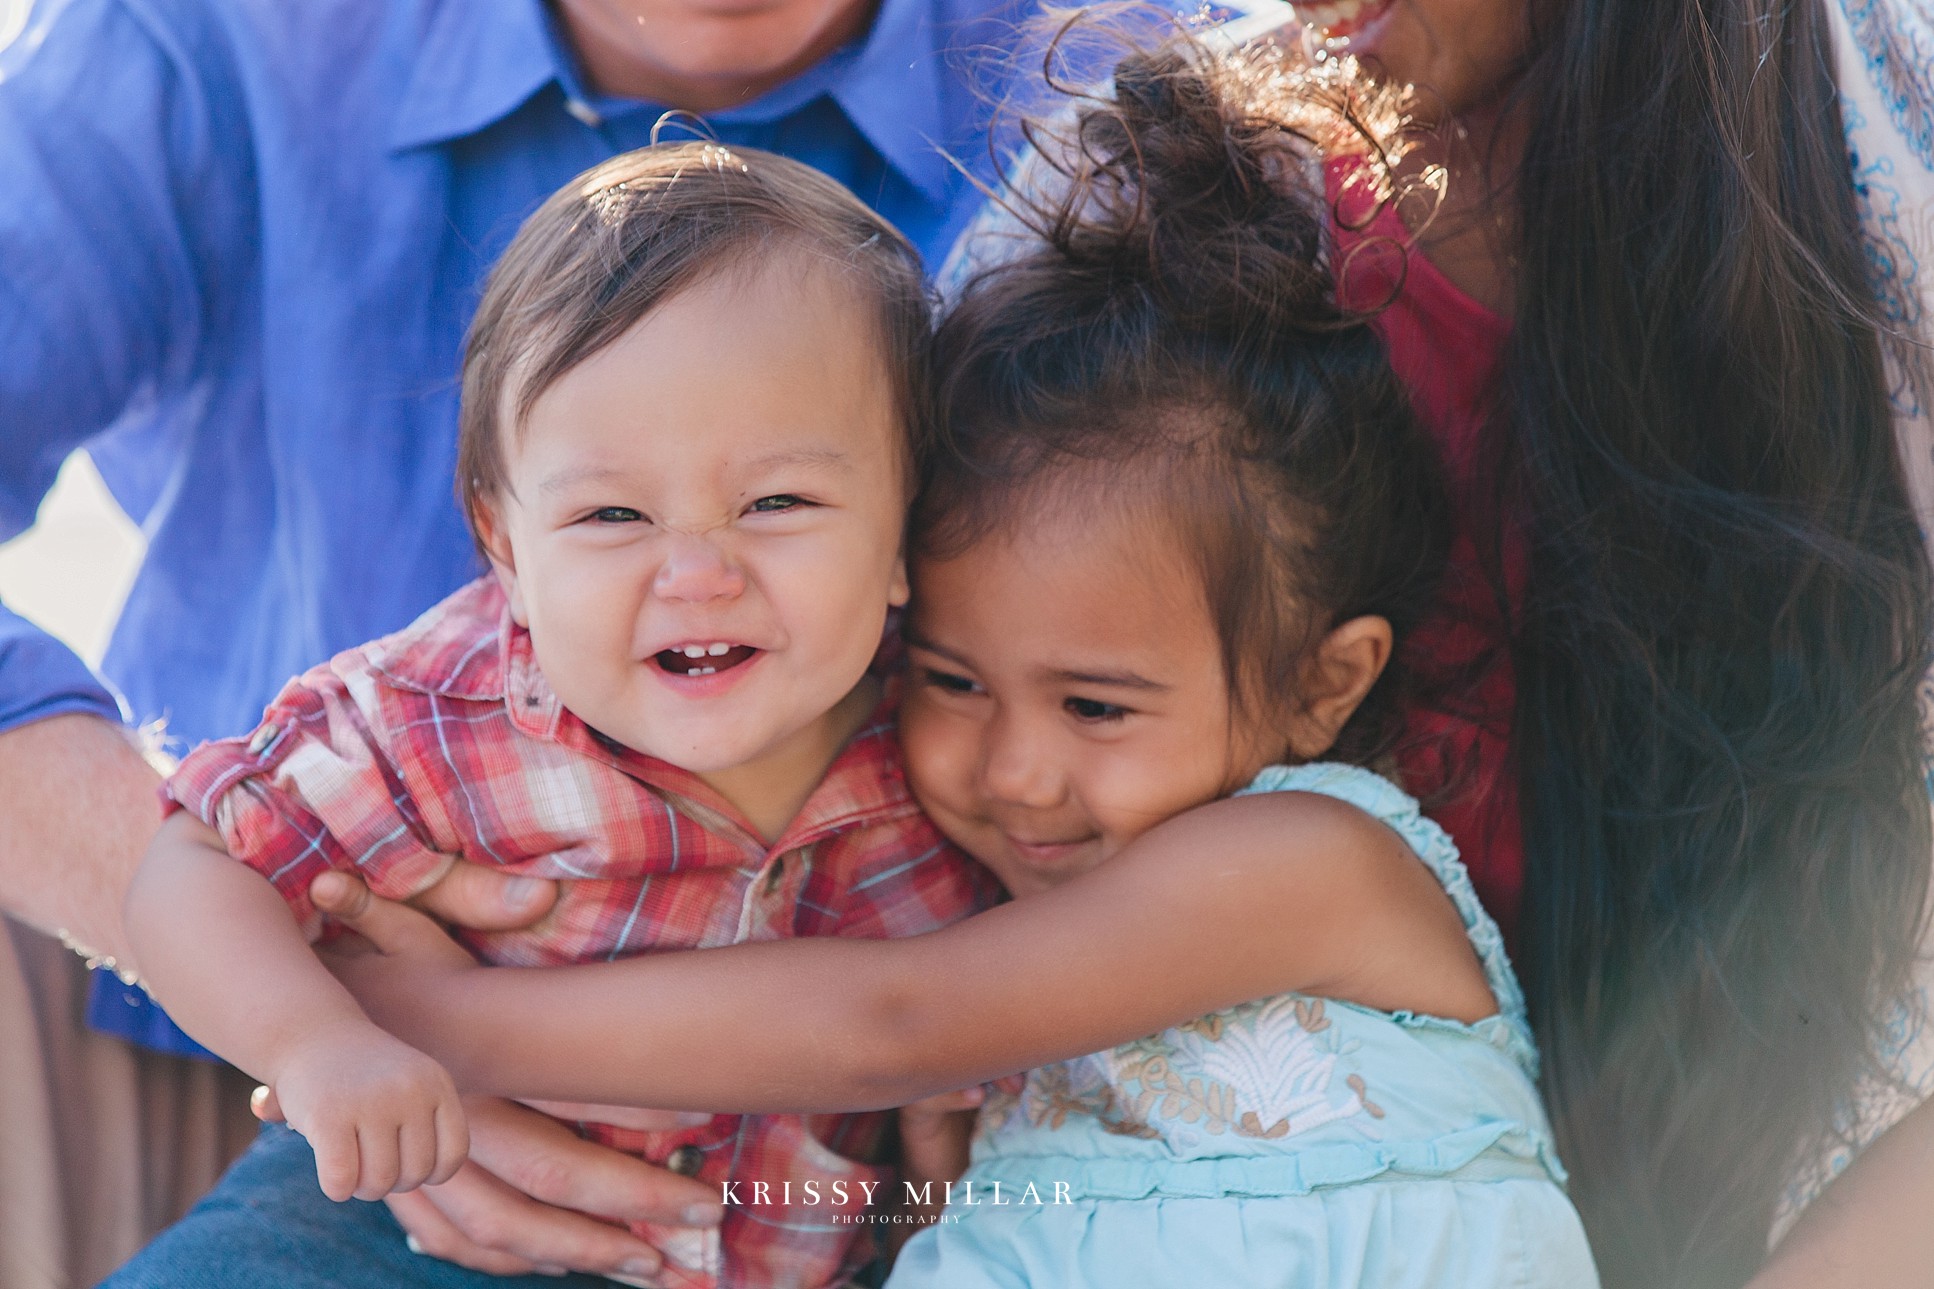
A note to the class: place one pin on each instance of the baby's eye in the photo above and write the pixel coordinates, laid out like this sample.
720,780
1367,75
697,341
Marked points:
948,681
1089,709
616,515
777,504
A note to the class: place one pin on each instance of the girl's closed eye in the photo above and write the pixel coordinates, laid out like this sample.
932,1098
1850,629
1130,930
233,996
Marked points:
779,504
947,681
616,515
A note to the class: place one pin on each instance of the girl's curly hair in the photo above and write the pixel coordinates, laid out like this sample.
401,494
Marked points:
1169,341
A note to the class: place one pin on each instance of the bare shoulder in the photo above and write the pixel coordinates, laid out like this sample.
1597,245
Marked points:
1373,918
1307,833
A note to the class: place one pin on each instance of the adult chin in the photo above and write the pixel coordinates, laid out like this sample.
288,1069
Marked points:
705,54
1461,54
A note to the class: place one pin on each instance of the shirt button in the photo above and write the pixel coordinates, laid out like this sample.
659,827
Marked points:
263,737
686,1161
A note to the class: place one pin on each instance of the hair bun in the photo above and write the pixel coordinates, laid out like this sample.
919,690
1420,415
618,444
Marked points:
1199,180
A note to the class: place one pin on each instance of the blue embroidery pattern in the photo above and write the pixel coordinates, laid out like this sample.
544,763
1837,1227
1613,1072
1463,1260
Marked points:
1891,266
1897,39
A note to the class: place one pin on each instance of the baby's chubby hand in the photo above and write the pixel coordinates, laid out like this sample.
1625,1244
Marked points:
381,1116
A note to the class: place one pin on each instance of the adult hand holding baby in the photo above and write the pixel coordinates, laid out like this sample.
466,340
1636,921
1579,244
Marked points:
533,1196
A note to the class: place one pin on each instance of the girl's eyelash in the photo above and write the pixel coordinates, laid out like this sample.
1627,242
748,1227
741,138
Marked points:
1093,710
947,680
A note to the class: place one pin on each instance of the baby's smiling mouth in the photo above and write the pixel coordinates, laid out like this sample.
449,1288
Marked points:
702,659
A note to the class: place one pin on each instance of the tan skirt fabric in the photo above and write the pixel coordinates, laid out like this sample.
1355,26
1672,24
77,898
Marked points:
101,1143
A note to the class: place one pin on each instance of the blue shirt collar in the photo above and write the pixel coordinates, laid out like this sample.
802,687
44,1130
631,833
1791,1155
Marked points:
477,65
893,93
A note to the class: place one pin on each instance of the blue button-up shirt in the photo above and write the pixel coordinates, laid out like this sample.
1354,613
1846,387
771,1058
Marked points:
240,241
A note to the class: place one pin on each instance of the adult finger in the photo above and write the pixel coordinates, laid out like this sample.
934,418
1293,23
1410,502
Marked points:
487,899
619,1116
433,1235
546,1161
492,1218
393,928
263,1105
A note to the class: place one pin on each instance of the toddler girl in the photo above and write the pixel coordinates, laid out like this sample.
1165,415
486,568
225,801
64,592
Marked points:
1160,579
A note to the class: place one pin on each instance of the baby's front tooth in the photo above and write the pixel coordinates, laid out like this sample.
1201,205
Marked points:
694,651
719,649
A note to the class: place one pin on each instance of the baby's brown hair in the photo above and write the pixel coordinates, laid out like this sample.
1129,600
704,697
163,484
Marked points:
625,236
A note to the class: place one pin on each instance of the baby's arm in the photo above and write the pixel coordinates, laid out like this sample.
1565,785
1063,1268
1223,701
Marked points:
222,952
1237,900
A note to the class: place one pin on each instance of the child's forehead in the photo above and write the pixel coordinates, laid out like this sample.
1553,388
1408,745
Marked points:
689,448
1096,546
721,302
1131,506
1040,606
733,371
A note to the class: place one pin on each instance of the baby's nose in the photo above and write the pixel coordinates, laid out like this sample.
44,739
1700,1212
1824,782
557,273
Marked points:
695,569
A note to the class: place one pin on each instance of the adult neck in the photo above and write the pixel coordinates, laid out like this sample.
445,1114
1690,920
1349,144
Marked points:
1473,237
703,59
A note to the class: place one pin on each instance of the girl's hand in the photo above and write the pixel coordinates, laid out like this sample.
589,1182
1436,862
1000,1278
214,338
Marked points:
934,1133
934,1136
381,1116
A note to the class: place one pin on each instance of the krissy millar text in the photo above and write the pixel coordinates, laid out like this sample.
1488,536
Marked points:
809,1194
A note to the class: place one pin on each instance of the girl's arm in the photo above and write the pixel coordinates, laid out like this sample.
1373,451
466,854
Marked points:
221,951
1237,900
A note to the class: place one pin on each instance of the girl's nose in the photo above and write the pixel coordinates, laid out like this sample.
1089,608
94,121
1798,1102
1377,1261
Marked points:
1017,768
695,570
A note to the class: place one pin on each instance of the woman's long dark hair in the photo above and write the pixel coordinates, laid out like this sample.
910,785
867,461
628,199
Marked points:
1727,622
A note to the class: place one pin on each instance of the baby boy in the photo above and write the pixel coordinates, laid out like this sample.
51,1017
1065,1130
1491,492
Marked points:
691,411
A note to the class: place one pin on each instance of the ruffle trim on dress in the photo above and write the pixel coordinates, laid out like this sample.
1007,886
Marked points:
1486,1152
1380,798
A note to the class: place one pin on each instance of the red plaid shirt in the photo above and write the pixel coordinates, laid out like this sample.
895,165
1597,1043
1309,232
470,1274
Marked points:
444,742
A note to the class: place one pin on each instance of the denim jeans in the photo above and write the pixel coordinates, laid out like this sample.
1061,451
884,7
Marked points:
267,1225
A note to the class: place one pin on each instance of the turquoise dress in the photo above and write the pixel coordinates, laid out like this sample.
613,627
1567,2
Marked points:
1293,1142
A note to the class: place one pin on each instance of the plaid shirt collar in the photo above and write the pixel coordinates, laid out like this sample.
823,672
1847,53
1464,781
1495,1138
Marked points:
468,648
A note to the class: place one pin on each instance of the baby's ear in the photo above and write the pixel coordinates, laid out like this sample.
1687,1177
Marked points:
1337,677
491,535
